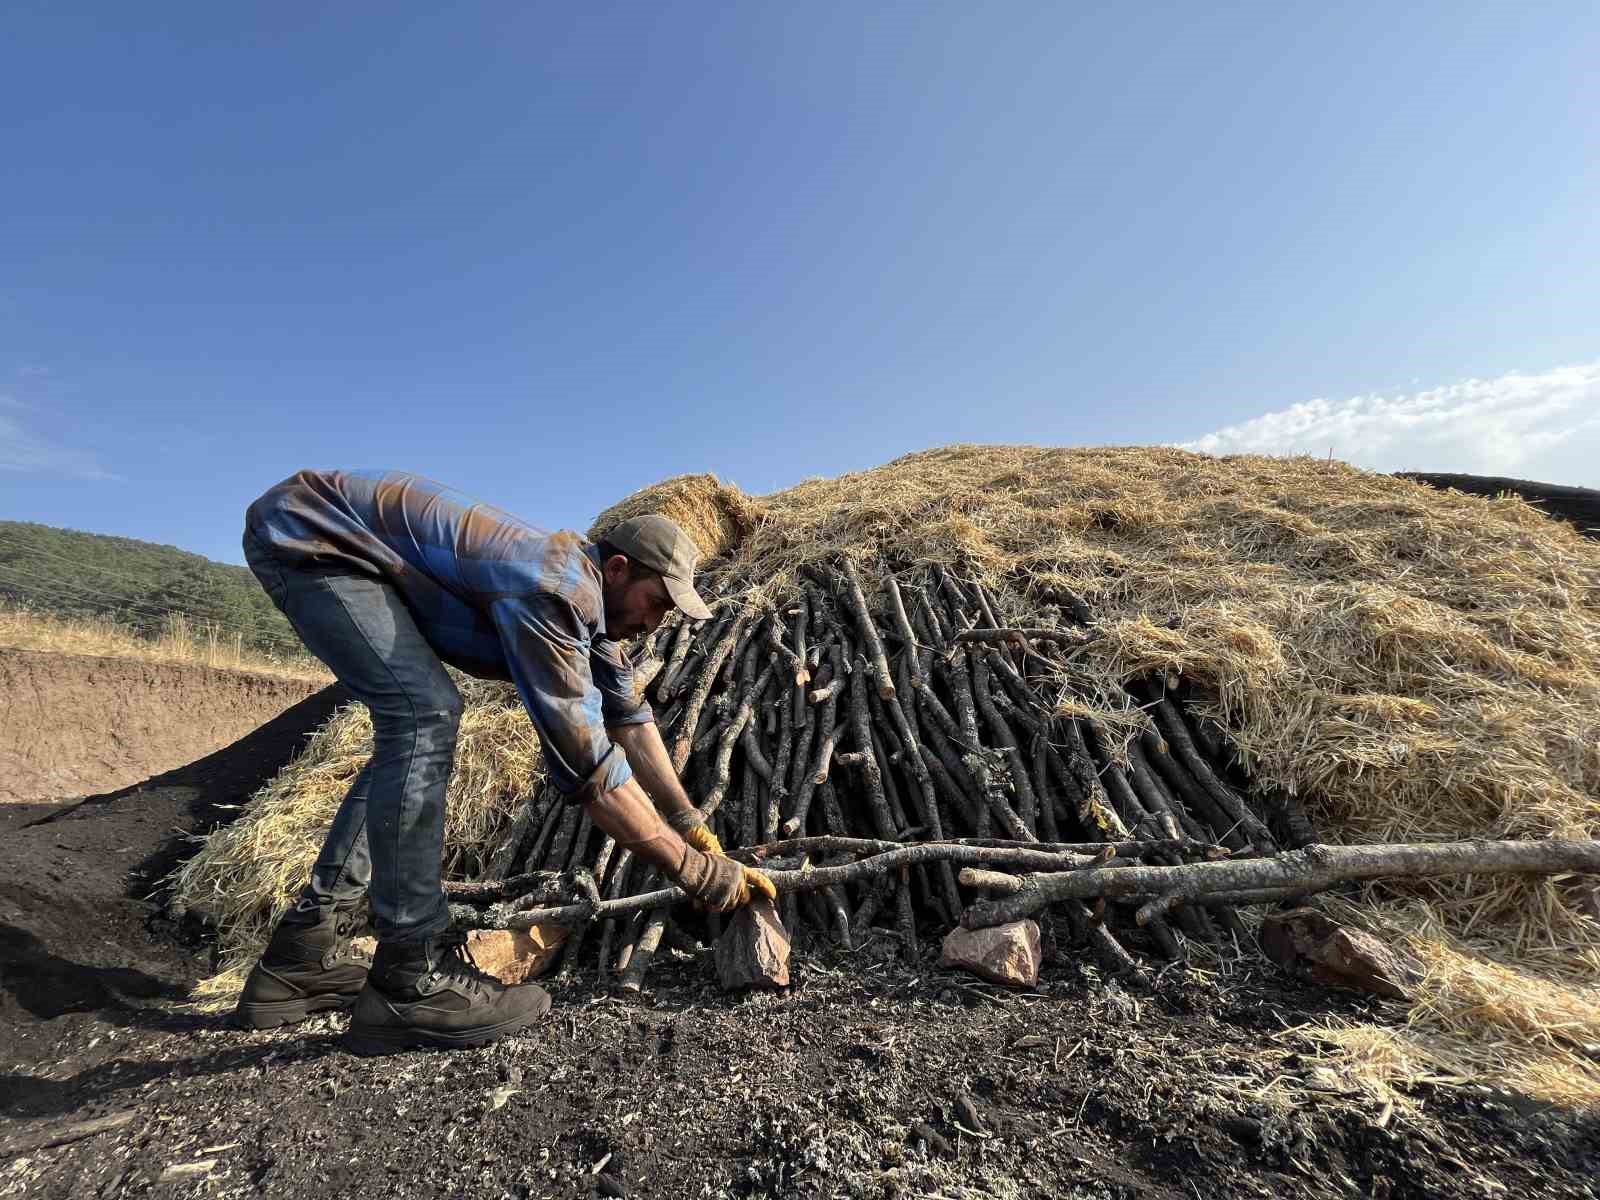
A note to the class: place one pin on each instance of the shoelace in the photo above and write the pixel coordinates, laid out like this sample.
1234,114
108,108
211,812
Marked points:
343,927
456,963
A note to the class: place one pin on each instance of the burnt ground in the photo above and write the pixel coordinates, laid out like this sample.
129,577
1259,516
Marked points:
847,1084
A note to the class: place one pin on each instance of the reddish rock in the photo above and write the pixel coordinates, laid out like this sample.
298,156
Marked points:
753,952
1008,953
1311,945
511,955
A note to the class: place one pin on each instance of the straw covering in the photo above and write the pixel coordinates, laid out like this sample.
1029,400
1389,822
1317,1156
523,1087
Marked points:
248,873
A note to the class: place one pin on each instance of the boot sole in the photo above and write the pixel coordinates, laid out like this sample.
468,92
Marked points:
270,1014
375,1040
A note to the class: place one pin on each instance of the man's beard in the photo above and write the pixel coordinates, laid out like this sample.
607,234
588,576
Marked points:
614,624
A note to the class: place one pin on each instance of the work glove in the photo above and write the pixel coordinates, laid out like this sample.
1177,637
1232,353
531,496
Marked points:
692,828
719,883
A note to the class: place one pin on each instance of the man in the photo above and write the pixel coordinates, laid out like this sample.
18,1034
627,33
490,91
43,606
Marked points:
387,576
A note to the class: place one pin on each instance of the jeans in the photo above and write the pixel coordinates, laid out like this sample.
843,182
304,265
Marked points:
388,835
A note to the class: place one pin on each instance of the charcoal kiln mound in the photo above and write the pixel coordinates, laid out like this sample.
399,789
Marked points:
1024,661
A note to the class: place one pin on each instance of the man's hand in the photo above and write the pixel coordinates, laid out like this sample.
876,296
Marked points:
692,828
721,884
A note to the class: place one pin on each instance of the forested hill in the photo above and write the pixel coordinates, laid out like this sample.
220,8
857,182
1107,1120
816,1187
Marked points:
66,573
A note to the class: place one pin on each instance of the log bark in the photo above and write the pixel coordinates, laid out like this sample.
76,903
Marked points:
1163,906
1096,812
1112,779
1011,637
554,808
802,621
702,689
644,950
926,788
1027,806
902,624
491,891
825,846
811,879
1225,798
1152,794
823,755
778,781
530,814
1040,771
868,629
1198,802
1312,869
749,693
750,804
561,844
905,919
682,639
872,775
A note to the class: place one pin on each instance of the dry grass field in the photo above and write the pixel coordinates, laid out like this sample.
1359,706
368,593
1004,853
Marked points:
180,641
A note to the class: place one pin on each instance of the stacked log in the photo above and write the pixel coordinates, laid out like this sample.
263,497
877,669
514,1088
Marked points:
897,762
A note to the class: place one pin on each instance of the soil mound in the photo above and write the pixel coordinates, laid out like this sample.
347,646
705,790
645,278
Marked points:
71,725
73,883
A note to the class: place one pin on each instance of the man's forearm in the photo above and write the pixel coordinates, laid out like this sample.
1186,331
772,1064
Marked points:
652,765
708,877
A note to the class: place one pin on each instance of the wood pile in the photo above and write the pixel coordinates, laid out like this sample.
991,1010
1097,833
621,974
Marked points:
900,763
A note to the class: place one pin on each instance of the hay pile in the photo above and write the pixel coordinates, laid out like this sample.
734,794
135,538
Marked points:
716,515
247,874
1415,665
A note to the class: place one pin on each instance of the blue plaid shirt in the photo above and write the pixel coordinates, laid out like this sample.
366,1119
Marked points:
494,596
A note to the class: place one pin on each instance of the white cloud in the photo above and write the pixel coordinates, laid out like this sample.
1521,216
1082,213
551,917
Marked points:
1544,426
21,450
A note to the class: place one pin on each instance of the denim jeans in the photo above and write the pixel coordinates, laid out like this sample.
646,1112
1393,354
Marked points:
388,835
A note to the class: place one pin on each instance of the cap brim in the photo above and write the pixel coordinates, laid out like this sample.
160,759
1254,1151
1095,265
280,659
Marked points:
687,599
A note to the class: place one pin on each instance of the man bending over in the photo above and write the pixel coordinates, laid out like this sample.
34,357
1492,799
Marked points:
387,576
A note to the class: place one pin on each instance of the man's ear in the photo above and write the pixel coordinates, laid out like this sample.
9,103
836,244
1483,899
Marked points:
615,569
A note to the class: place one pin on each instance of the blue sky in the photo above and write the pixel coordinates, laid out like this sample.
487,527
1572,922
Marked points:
549,253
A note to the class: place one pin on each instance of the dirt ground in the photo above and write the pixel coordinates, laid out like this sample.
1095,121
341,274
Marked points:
854,1082
76,724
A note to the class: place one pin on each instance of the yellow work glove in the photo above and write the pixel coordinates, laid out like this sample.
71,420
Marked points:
692,828
719,883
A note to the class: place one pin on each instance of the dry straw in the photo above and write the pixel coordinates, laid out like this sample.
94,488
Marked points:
175,641
247,873
716,515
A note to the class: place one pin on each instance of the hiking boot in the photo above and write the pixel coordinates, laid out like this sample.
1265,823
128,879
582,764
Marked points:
307,967
431,993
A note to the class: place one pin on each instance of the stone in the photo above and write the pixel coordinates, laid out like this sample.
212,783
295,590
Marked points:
753,951
1008,953
511,955
516,955
1312,946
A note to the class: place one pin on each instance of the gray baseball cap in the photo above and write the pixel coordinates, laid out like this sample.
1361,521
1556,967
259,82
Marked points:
660,544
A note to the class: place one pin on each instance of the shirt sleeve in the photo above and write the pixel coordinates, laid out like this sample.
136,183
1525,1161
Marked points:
549,651
622,701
